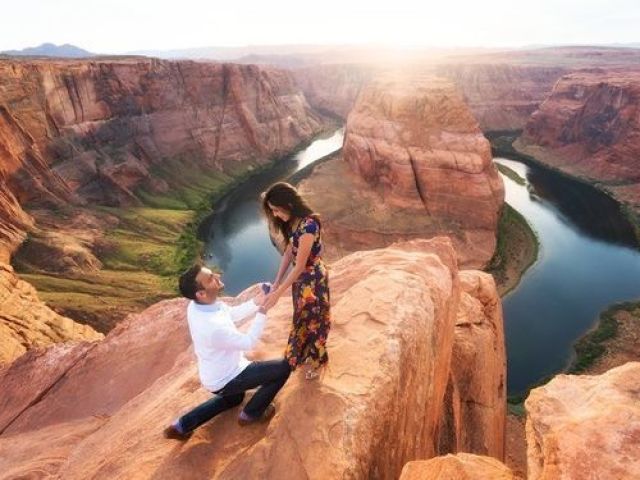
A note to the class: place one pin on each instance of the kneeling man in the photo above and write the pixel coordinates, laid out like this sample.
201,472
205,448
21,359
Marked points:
219,348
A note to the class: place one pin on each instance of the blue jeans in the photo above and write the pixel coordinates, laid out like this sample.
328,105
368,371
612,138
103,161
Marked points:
270,376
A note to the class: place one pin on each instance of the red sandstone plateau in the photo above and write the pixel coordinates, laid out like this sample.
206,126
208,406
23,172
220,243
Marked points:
590,127
97,410
414,164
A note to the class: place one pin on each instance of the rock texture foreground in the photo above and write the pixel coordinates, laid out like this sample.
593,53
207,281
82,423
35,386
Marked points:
97,410
463,466
585,426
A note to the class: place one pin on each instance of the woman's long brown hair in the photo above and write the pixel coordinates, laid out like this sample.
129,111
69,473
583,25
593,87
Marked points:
285,196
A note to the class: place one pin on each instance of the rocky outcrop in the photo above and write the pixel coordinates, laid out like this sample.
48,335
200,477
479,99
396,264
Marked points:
585,426
418,166
502,96
334,88
26,322
393,309
463,466
477,402
590,127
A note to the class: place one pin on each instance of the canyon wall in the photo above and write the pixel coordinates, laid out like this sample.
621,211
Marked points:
415,164
334,88
93,131
590,127
380,404
76,136
502,96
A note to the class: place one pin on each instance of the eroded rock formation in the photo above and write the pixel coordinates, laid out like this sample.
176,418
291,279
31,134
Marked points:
463,466
502,96
379,405
334,88
26,322
418,166
111,132
99,130
590,127
585,426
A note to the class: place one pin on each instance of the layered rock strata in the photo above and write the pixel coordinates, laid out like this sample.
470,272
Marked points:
113,132
334,88
95,131
379,405
415,165
26,322
502,96
590,127
585,426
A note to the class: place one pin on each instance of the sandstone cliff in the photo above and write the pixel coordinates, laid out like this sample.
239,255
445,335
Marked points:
585,426
380,405
26,322
76,136
590,127
502,96
95,130
415,165
334,88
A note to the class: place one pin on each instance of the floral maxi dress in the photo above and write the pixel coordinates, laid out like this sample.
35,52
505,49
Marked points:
311,309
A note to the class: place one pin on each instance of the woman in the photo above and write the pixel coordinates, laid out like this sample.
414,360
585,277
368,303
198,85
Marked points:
289,215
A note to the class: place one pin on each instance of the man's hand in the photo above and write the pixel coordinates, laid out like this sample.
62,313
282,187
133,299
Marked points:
270,301
261,297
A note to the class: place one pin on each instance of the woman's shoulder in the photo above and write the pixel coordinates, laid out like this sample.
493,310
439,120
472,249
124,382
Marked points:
310,224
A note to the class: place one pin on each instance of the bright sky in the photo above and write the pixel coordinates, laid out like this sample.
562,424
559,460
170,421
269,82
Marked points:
119,26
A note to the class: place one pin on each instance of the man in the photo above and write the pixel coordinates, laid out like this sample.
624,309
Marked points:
219,347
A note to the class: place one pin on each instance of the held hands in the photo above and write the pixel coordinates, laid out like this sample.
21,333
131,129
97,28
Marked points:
271,300
260,298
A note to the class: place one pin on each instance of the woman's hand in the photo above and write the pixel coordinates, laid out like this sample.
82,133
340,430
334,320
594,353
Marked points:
271,299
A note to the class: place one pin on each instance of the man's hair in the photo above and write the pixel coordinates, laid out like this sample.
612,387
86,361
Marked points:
188,283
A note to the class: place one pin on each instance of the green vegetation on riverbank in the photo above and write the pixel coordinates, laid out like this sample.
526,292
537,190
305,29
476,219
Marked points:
595,343
517,249
502,145
142,249
590,347
507,172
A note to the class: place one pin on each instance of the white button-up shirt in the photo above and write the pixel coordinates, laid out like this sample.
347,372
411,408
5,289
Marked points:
218,344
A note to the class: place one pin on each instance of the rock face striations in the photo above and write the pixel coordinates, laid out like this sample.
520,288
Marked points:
585,426
502,96
382,403
590,127
334,88
95,131
415,164
115,133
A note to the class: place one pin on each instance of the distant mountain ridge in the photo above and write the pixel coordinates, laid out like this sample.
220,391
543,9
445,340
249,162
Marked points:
50,50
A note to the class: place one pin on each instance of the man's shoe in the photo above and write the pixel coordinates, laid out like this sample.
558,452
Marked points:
173,433
269,412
